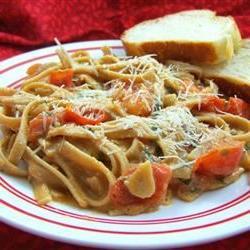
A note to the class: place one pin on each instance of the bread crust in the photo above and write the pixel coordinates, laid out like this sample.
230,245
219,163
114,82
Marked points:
194,52
198,52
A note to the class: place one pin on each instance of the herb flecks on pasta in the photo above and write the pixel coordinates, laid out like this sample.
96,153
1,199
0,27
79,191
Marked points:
119,134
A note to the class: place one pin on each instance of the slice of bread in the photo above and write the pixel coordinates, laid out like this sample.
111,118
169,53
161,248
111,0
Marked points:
233,77
197,36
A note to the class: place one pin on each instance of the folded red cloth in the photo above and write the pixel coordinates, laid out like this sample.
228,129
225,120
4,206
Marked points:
27,25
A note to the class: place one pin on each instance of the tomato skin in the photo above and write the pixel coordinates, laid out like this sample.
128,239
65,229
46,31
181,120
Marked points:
120,195
38,126
213,104
237,106
62,77
221,161
138,107
135,100
68,115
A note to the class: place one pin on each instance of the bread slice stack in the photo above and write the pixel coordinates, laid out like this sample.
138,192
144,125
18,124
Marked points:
233,77
211,43
197,36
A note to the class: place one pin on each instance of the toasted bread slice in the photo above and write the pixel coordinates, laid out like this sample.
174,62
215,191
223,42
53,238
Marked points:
233,78
197,36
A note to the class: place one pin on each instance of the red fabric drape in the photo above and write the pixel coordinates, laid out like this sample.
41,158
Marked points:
27,25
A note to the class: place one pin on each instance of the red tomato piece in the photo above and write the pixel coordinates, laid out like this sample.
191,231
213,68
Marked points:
38,126
70,116
237,106
213,104
62,77
220,161
135,100
120,195
138,107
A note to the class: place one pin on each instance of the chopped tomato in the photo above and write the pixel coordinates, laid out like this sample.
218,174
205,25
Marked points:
213,104
239,107
234,106
62,77
220,161
38,126
120,195
138,107
89,117
135,99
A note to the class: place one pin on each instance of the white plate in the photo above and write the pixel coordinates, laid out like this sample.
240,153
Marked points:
213,216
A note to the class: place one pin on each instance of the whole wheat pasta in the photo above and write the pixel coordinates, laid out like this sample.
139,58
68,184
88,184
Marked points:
120,133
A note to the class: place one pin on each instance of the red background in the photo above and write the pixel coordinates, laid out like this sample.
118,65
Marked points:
26,25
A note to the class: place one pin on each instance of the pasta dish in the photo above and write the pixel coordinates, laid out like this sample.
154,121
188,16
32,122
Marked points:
122,135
